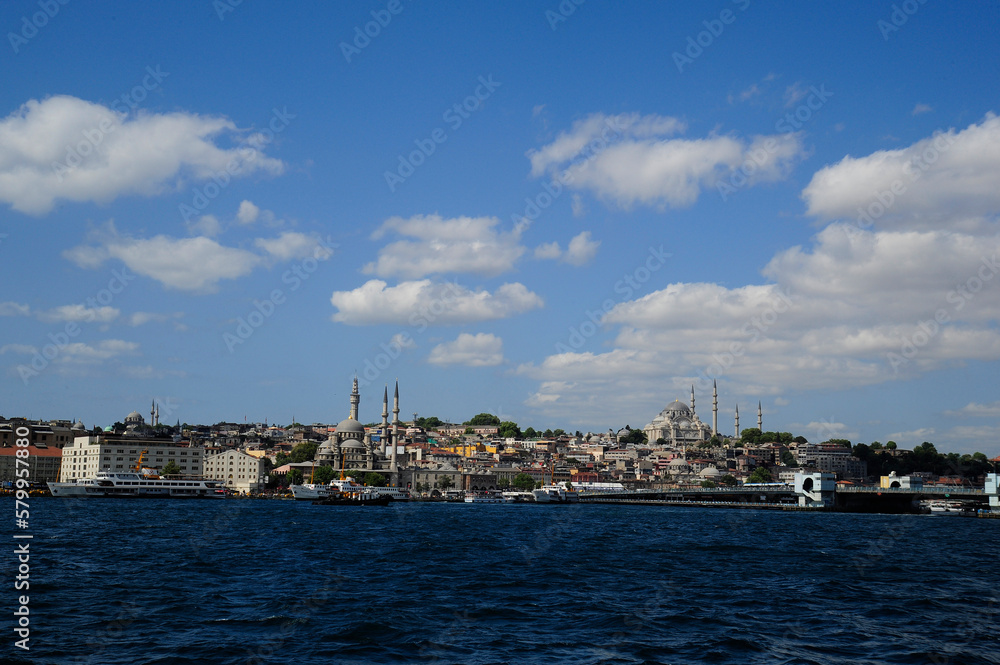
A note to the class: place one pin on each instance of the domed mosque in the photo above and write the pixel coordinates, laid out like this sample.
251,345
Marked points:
351,448
679,425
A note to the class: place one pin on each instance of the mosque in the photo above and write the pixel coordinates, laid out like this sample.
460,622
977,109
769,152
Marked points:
679,425
352,449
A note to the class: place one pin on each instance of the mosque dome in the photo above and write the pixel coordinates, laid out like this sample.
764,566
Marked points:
710,472
678,407
350,426
79,426
353,444
134,417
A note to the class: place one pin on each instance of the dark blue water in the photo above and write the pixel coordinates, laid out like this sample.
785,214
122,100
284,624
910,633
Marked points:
278,581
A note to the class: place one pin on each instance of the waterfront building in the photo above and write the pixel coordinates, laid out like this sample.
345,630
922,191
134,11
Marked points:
239,471
43,463
89,454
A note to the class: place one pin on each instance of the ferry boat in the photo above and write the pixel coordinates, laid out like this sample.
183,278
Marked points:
939,507
142,484
315,491
556,494
517,497
484,497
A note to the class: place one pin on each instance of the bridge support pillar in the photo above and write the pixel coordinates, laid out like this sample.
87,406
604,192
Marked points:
815,489
993,490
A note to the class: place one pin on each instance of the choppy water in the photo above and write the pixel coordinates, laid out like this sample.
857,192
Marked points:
278,581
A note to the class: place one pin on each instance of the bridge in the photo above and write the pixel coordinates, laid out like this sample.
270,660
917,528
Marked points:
816,491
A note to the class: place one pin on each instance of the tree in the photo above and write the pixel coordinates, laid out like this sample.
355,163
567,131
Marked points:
788,459
530,433
707,484
469,430
891,445
304,452
433,422
509,430
840,442
558,432
635,436
524,482
503,483
760,475
800,439
728,480
445,482
661,441
171,469
751,435
483,419
547,434
322,475
280,459
373,479
875,445
294,477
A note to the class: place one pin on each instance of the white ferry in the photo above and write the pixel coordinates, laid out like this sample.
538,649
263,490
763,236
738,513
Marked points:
313,491
556,494
135,485
484,497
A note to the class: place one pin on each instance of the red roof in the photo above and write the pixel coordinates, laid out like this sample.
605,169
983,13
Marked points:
33,451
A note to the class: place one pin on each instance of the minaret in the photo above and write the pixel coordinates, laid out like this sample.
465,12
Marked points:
737,421
157,414
715,409
355,400
692,399
152,413
395,429
760,418
385,419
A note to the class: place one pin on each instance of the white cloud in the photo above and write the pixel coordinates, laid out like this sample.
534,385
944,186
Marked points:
794,93
481,350
18,348
188,264
293,245
80,313
549,250
14,309
43,146
206,225
422,303
940,179
921,108
629,159
978,410
142,318
248,212
581,250
435,245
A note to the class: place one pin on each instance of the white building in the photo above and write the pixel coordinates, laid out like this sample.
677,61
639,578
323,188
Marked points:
89,454
239,471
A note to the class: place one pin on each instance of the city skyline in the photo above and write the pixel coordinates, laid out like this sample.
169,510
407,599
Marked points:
561,214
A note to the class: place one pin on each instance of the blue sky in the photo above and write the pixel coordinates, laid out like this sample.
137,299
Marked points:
562,214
